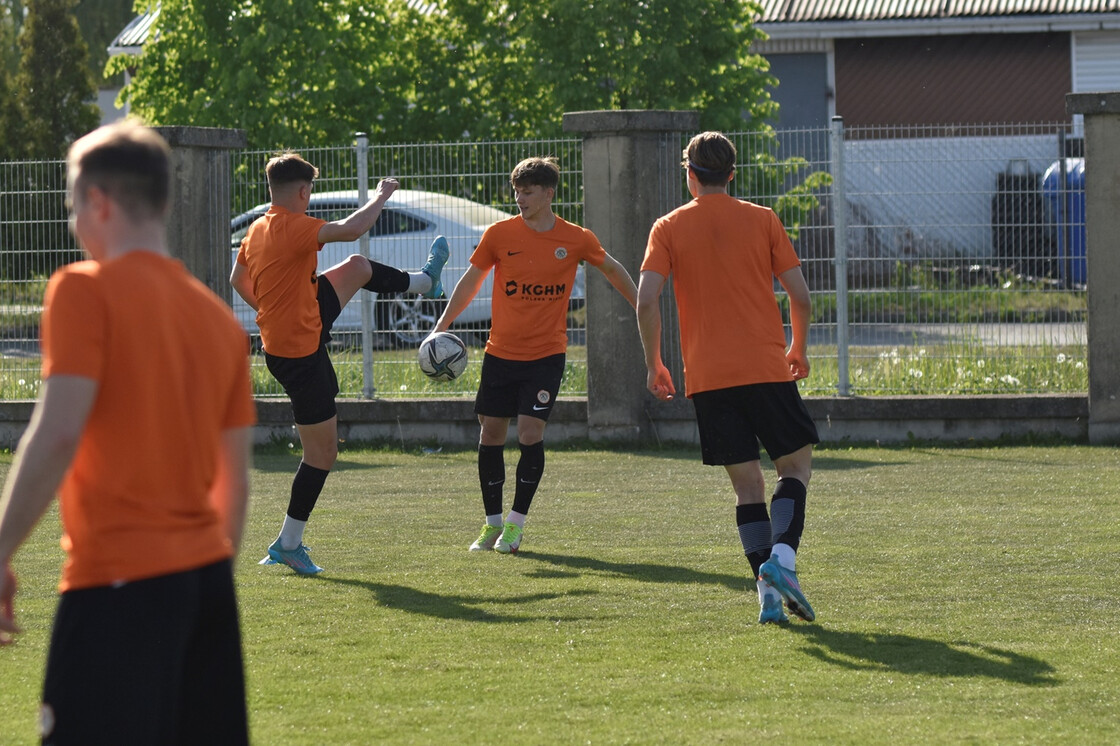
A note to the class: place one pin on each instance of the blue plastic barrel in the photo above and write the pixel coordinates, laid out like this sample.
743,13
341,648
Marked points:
1067,205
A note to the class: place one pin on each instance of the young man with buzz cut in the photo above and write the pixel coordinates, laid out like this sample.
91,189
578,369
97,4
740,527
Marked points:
723,255
276,273
144,428
534,256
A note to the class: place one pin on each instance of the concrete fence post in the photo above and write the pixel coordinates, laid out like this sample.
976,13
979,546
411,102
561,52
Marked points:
1102,257
201,182
625,171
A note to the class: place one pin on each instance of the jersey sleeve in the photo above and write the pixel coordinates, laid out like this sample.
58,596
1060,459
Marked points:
658,258
485,254
782,254
73,326
594,253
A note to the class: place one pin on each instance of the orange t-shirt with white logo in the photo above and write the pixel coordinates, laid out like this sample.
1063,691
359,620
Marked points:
723,255
533,276
281,252
172,369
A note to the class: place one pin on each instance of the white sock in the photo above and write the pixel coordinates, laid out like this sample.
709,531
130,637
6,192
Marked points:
494,520
418,282
787,558
291,533
518,519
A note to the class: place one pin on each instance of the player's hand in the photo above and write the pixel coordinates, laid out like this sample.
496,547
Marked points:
660,383
386,187
798,364
8,626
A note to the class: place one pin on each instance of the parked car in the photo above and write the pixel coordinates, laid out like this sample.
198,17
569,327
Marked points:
404,232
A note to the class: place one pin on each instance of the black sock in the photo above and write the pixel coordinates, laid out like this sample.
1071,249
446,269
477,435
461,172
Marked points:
754,532
787,507
386,279
306,486
491,477
529,469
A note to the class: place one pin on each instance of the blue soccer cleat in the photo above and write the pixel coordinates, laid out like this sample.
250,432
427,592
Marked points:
785,582
437,257
297,558
772,612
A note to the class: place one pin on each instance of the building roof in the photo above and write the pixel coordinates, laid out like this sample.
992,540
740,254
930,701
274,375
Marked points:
802,11
132,37
794,24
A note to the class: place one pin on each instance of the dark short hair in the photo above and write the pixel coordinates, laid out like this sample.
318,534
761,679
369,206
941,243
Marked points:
711,156
131,163
543,172
288,168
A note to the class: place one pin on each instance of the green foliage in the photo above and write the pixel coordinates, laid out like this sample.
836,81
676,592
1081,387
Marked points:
11,20
100,22
466,70
54,84
289,73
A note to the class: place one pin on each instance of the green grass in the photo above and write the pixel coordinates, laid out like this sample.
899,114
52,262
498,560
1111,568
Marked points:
964,595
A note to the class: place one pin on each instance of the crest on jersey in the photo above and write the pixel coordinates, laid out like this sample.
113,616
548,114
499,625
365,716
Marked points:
560,253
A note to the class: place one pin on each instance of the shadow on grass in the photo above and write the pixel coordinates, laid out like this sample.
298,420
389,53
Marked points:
648,572
464,608
868,651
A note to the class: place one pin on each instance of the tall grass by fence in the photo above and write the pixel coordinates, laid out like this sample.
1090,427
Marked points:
940,262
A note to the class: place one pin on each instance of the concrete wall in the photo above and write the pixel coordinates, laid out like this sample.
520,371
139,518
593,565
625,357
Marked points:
1102,257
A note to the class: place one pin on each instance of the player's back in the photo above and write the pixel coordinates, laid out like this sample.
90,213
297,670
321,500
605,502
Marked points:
171,363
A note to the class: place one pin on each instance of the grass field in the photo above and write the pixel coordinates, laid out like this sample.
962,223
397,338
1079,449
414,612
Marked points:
964,595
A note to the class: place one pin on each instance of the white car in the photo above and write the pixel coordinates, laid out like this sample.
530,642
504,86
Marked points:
404,232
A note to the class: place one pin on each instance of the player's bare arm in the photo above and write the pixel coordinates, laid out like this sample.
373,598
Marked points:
465,290
230,492
243,284
800,313
44,455
658,380
617,276
361,220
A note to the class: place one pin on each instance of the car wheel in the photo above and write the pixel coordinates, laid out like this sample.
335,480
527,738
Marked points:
405,319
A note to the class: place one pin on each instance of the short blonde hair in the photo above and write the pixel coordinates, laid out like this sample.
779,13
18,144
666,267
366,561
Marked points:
131,163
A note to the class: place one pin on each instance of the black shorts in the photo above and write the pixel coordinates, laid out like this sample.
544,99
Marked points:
310,382
513,387
151,661
733,421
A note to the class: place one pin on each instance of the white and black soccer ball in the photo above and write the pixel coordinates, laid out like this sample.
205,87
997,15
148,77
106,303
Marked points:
442,356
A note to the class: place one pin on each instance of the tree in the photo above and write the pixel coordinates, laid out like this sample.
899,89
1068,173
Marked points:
100,22
289,72
532,60
458,68
54,87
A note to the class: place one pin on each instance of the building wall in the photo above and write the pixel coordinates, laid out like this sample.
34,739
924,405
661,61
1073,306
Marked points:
973,79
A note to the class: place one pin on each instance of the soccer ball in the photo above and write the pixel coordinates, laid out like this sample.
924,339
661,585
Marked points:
442,357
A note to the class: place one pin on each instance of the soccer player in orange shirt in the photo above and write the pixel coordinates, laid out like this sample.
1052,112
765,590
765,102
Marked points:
534,256
723,255
276,274
143,427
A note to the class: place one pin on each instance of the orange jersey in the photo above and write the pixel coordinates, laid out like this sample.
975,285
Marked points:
281,251
172,369
723,255
533,276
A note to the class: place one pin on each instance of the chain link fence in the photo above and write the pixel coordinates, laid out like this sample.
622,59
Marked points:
941,260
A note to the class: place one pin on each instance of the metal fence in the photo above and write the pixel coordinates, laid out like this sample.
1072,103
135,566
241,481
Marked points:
940,261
